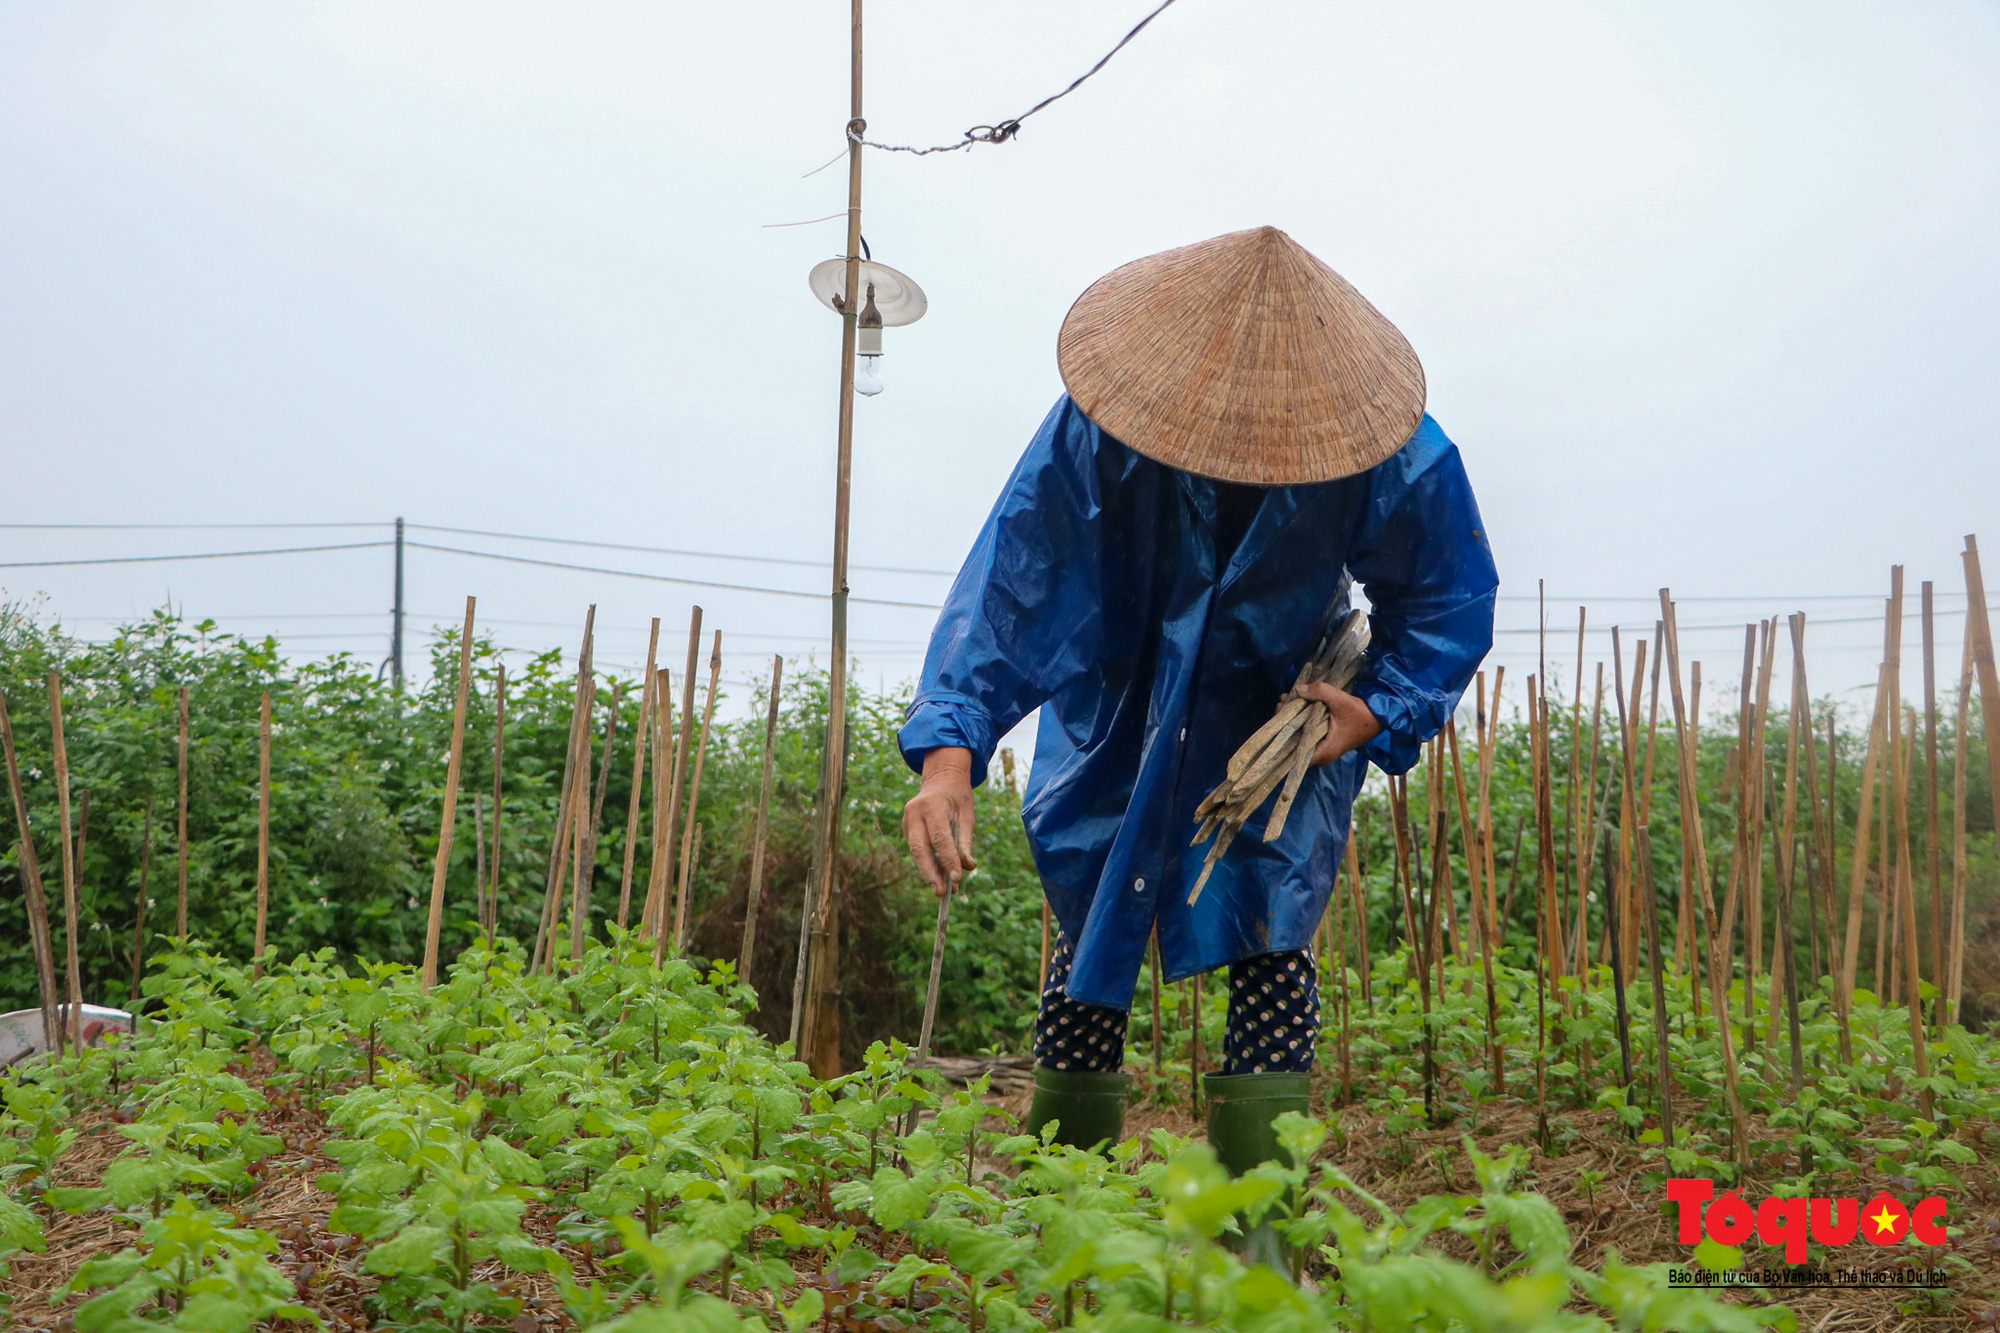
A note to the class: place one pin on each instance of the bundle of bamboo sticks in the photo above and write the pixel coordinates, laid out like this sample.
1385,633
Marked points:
1280,751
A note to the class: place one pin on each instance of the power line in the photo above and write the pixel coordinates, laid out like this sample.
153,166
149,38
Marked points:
663,578
1006,129
172,527
668,550
197,555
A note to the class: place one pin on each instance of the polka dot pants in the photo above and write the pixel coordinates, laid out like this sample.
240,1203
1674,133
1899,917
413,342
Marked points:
1272,1029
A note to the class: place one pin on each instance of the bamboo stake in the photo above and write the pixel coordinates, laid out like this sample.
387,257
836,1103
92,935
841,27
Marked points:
586,877
1858,878
263,835
1628,728
1756,787
694,788
923,1055
1586,842
181,764
39,936
1696,919
1896,790
72,907
1479,923
448,821
1908,901
1907,980
479,862
1787,846
1360,894
1576,809
1979,628
1818,855
1691,818
1958,859
492,922
641,739
752,904
1545,834
565,795
139,917
1346,992
1932,863
663,857
666,806
1738,796
579,842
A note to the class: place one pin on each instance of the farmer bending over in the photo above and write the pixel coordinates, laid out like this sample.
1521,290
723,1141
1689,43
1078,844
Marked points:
1242,441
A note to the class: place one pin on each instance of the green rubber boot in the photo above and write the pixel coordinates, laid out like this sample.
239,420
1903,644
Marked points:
1089,1107
1241,1109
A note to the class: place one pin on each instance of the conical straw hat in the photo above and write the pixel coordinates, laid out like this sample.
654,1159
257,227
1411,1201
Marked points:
1242,358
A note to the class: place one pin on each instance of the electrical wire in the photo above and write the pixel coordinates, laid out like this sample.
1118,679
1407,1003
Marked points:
669,550
663,578
196,555
162,527
1009,128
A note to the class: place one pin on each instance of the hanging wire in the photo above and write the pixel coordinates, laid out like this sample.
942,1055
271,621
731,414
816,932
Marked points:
1009,128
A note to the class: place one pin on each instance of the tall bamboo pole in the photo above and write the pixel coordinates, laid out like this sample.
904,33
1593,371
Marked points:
641,739
1979,628
694,790
1359,891
492,922
663,856
479,861
1576,807
1691,818
181,816
1586,843
1959,873
559,831
1481,926
1628,728
586,877
747,953
448,820
1767,636
1896,853
1907,900
263,835
1932,862
1857,886
39,936
72,907
139,916
822,1032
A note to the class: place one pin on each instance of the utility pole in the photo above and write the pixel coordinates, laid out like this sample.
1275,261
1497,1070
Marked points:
819,1033
396,618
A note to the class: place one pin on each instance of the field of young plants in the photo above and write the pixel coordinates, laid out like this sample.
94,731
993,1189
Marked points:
1523,973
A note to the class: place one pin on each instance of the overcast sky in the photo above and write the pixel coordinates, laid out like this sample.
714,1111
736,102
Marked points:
1706,293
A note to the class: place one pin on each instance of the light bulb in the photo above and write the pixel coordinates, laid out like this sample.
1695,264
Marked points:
868,376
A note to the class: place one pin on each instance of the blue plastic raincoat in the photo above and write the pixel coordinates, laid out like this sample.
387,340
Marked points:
1093,593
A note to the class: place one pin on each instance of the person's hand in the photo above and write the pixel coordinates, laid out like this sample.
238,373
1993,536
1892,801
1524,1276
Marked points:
1350,725
938,819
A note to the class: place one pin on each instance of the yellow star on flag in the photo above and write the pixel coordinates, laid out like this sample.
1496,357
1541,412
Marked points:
1885,1221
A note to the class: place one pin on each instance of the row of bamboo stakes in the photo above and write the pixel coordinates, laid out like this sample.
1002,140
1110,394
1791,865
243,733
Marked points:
572,858
1428,910
1426,905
